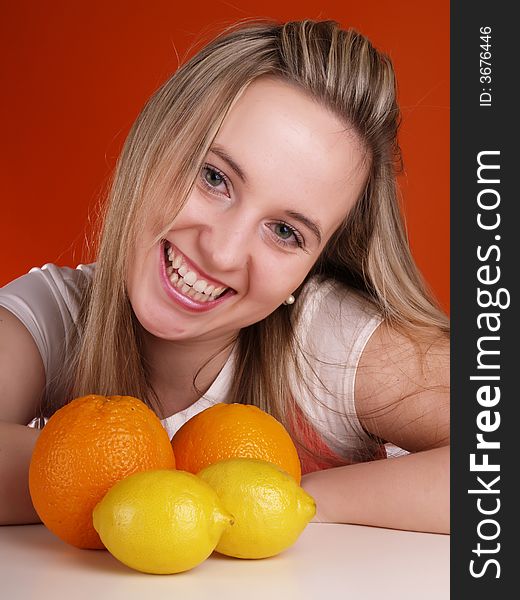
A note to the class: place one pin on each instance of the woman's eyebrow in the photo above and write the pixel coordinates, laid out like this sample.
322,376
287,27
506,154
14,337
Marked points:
311,225
219,151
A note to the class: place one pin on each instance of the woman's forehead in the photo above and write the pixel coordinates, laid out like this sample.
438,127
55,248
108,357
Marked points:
287,146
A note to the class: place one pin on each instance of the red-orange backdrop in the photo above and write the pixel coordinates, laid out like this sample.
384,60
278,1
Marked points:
75,75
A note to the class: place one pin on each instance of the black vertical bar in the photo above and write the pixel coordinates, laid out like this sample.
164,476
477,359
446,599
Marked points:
484,298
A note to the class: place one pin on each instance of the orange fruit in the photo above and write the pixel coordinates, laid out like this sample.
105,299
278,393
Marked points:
234,431
84,449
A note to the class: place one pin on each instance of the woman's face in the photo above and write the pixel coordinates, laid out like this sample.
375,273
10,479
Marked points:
280,177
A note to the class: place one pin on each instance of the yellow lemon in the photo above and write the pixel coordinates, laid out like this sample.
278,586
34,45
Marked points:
269,508
161,521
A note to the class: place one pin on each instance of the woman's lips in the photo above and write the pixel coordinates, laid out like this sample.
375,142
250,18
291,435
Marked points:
193,267
181,299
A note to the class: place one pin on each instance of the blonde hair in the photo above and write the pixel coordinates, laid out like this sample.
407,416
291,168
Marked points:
162,157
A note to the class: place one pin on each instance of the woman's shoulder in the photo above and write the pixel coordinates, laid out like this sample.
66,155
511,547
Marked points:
333,328
60,282
329,306
47,301
65,276
47,297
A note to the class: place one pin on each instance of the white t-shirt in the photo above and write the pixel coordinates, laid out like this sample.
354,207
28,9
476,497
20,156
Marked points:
335,325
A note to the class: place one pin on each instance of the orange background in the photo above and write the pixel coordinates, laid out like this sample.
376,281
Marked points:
74,76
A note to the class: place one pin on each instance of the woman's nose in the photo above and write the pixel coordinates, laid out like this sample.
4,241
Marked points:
227,245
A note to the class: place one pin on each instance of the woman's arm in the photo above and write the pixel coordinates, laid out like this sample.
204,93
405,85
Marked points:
402,397
16,447
410,492
22,379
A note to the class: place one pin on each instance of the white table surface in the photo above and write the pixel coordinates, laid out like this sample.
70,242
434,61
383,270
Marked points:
327,561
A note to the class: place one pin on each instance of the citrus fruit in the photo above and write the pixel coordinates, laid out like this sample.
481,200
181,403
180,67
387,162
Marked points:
231,431
161,521
269,509
86,447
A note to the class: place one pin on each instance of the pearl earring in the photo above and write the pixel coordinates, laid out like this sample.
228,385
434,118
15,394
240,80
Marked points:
289,300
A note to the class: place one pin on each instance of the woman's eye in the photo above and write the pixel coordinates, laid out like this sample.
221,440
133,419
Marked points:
212,178
284,231
285,235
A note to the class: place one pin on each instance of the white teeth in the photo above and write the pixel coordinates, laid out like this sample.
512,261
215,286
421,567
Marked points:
186,281
190,278
200,285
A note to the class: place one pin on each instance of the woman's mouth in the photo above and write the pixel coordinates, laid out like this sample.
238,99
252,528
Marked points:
184,284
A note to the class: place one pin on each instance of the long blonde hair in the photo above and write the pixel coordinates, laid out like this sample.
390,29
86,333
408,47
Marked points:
162,157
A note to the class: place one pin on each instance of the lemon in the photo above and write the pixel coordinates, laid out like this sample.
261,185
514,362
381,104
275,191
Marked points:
270,509
161,521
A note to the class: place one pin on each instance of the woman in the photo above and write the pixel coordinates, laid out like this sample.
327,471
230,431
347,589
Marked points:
252,251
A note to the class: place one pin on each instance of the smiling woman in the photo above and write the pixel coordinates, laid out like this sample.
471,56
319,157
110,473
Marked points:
253,251
237,233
